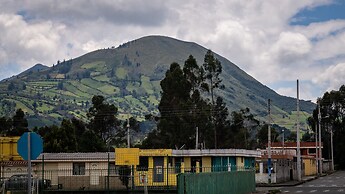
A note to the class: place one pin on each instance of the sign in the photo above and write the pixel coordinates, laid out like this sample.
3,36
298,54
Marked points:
127,156
155,152
36,145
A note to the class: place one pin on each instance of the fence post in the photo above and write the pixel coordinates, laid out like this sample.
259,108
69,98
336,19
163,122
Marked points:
108,173
167,172
42,185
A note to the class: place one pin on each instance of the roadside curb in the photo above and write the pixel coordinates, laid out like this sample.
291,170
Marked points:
286,184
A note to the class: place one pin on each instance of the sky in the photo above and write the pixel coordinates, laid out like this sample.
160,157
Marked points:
276,42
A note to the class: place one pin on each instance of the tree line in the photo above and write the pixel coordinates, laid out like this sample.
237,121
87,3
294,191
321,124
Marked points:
190,104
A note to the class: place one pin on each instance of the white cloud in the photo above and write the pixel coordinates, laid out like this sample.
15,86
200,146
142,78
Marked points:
255,35
332,78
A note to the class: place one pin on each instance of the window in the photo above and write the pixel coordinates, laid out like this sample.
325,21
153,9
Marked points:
143,163
312,150
79,168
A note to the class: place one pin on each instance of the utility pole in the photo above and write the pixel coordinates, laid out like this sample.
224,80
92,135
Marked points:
283,142
299,170
269,142
196,138
128,139
332,149
320,145
316,150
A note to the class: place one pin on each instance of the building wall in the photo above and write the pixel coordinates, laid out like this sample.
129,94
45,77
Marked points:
309,166
187,163
206,163
240,162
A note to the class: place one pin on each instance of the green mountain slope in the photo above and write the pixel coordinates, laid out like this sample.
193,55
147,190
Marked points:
129,77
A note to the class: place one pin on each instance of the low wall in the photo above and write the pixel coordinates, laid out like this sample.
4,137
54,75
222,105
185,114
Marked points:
239,182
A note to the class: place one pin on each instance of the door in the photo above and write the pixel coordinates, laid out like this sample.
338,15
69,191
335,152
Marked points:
158,170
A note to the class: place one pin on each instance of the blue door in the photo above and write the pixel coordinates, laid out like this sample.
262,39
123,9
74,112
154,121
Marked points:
158,170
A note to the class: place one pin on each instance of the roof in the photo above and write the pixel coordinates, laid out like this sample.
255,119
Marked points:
294,145
103,156
217,152
78,156
14,163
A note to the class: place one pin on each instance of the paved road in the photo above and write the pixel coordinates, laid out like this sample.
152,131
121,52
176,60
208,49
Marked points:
334,183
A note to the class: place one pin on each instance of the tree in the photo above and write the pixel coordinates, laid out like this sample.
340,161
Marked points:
332,106
212,70
173,127
59,139
103,121
19,124
6,125
262,136
222,123
292,137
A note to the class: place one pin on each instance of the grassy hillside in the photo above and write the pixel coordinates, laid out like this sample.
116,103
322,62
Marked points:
129,77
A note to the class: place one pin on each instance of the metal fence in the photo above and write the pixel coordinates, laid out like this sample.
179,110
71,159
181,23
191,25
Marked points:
117,177
239,182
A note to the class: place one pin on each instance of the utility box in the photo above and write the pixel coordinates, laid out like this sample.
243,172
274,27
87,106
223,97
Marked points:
8,149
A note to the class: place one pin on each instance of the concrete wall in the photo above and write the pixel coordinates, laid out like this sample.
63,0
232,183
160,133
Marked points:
326,165
282,169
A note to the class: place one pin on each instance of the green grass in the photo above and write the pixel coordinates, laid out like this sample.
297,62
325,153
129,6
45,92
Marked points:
132,86
289,121
55,115
20,105
135,103
102,78
121,73
109,89
86,90
96,66
44,107
146,84
92,83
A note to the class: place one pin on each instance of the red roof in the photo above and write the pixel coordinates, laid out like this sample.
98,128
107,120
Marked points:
294,144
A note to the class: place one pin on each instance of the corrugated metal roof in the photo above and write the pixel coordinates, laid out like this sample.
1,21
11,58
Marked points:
14,163
217,152
79,156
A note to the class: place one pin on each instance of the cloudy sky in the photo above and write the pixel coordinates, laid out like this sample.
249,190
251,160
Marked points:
276,42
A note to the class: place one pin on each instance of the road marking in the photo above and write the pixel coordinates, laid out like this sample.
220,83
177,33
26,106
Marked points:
341,190
299,191
334,185
325,191
286,191
313,191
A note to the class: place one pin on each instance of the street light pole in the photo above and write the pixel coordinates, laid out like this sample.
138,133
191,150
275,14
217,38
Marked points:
319,122
299,169
332,149
269,141
283,142
128,138
316,150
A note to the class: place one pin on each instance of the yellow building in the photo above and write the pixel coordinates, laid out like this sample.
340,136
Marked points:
160,167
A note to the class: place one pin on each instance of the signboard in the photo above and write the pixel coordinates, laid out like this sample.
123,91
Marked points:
155,152
36,145
127,156
8,149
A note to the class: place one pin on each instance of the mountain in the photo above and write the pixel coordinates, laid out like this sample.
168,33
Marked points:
129,77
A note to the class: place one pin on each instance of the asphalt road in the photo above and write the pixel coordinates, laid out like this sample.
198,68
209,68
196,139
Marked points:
333,183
